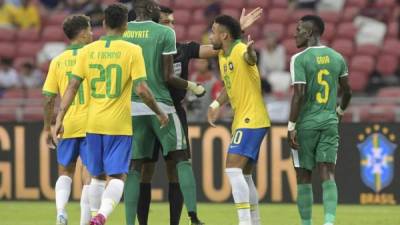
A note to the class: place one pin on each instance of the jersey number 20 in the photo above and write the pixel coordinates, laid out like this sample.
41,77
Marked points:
106,75
323,98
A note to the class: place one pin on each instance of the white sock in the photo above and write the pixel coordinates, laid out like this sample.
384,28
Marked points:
255,214
111,196
63,190
96,189
240,192
85,206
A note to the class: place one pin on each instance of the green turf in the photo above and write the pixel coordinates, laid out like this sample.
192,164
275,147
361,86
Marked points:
43,213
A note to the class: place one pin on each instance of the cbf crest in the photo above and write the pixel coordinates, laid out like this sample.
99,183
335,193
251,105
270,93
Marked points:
377,157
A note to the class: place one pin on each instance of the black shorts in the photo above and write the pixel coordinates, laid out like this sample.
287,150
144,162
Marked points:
180,111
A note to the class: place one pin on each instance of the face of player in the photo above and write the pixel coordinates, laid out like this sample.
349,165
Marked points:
302,34
167,20
216,36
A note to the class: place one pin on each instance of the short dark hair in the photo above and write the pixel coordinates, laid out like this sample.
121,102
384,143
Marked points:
165,9
116,15
317,22
74,24
141,4
231,24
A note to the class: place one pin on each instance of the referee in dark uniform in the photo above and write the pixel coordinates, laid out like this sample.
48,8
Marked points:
186,52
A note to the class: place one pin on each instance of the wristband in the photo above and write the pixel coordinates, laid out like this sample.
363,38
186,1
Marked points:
191,85
291,126
339,110
215,104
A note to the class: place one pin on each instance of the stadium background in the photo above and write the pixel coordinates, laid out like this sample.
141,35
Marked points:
371,46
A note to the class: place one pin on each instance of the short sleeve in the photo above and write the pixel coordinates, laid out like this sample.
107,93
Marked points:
297,70
169,44
193,50
138,71
344,71
79,70
50,87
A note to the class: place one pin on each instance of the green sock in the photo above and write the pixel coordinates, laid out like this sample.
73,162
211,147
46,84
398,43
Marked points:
187,184
304,203
330,199
131,196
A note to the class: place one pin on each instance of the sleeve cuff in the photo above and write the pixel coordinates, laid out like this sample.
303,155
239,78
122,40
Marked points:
344,75
76,77
299,82
48,93
170,53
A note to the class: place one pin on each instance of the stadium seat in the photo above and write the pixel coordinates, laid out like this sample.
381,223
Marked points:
277,28
330,16
297,14
7,34
346,30
255,32
367,49
52,34
98,32
258,3
184,4
237,4
280,4
291,30
235,13
387,65
290,46
33,113
391,46
343,46
195,32
167,3
180,32
9,113
278,15
14,94
19,61
357,3
198,16
379,113
393,30
362,63
56,18
182,16
28,35
358,81
7,50
28,49
35,93
389,92
330,31
349,13
386,3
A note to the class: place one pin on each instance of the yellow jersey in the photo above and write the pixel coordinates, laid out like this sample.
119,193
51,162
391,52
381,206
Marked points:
57,82
243,86
110,65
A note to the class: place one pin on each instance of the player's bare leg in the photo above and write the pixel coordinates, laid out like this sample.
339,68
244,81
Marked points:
240,190
63,191
85,204
254,212
304,195
329,190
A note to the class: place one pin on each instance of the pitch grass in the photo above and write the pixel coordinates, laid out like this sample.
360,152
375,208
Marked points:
43,213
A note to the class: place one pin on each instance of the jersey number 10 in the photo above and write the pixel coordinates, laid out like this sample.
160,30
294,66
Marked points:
323,98
106,76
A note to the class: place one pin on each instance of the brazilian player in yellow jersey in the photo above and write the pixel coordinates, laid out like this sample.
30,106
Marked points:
111,66
77,29
238,69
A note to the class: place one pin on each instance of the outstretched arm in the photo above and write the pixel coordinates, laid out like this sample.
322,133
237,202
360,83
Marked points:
295,107
48,106
250,55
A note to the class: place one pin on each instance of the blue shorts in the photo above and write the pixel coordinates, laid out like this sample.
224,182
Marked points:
109,154
69,149
247,141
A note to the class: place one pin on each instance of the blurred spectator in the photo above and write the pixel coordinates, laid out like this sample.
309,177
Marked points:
30,77
6,14
306,4
49,51
76,6
197,107
50,4
213,9
95,11
272,59
8,75
329,5
371,11
27,15
370,30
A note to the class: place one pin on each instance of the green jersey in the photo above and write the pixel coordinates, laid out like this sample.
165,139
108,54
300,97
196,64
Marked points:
156,40
319,68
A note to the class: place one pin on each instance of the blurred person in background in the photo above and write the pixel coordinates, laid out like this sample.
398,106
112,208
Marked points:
95,11
305,4
272,59
6,14
27,15
30,76
8,75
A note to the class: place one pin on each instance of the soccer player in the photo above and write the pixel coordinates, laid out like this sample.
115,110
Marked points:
237,62
185,52
110,65
160,44
77,29
313,124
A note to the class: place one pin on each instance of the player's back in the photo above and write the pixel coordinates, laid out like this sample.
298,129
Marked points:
110,64
59,74
319,68
156,40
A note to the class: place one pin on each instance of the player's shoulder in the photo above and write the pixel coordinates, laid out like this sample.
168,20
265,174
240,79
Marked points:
335,53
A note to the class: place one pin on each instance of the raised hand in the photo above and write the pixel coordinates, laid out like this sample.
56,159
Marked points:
247,20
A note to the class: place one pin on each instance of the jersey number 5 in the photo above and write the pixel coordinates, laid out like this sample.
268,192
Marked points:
323,98
106,76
